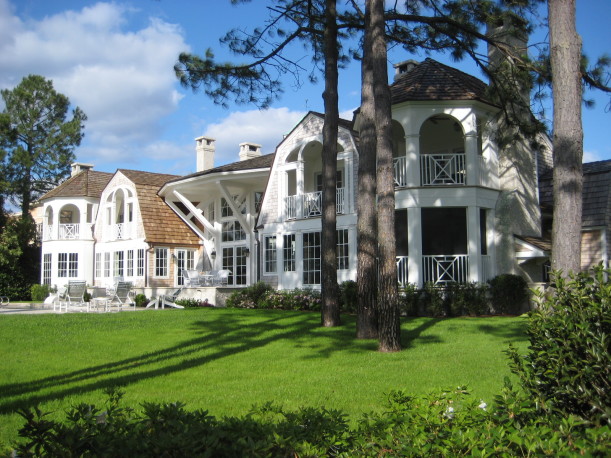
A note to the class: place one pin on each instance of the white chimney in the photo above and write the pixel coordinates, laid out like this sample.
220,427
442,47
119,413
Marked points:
204,147
249,150
78,167
404,67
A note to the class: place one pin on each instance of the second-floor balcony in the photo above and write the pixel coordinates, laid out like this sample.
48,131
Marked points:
309,205
445,170
119,231
68,231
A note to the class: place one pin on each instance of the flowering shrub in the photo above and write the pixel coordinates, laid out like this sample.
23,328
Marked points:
263,296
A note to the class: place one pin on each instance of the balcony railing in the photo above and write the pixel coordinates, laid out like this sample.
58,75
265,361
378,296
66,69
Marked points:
442,269
69,231
120,231
402,270
309,205
400,166
442,169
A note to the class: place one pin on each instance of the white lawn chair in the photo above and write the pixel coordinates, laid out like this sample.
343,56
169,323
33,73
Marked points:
74,298
166,300
122,296
191,278
222,278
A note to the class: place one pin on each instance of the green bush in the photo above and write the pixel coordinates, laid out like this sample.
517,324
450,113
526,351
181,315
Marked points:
433,301
568,366
450,423
508,293
349,296
409,297
193,303
466,299
297,299
141,300
39,292
248,297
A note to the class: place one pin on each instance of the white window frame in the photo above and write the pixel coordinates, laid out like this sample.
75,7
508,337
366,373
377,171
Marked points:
270,249
140,263
162,262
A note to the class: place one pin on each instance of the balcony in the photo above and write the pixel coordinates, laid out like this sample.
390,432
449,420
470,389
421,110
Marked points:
309,205
443,269
119,231
71,231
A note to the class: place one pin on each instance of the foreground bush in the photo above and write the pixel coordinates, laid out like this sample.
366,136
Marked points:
568,367
508,293
263,296
446,424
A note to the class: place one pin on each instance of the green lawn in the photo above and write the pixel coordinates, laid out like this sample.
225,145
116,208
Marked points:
225,360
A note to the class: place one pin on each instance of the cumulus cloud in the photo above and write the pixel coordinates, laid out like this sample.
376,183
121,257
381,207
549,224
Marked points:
265,127
121,77
591,156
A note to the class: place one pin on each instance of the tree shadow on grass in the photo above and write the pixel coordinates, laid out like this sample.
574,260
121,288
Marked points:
218,337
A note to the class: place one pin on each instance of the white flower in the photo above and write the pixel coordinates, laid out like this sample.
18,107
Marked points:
449,413
483,405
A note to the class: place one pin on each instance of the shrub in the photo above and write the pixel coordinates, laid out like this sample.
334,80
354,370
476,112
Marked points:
349,296
298,299
193,303
141,300
466,299
248,297
508,293
568,366
408,300
433,300
39,292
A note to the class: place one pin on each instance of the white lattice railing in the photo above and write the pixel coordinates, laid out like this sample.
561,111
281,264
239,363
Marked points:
69,231
441,269
120,231
400,166
309,205
402,270
442,169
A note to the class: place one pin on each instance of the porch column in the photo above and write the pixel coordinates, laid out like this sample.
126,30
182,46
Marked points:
300,187
412,152
471,156
490,238
474,244
414,260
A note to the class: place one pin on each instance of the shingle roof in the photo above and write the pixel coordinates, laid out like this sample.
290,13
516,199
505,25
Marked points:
432,80
543,244
87,183
260,162
596,193
161,224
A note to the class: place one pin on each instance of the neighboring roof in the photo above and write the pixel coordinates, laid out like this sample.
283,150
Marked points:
87,183
596,193
543,244
261,162
431,80
161,224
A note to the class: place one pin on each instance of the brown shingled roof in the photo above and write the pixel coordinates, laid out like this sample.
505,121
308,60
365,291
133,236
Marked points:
261,162
87,183
432,80
161,224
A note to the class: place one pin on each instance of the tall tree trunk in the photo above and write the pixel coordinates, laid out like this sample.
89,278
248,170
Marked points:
367,249
565,47
330,291
388,304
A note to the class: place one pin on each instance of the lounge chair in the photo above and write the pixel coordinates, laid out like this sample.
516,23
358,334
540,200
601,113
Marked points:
164,300
74,297
122,296
222,278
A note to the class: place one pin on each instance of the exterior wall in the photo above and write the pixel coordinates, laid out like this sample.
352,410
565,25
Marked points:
119,181
84,251
593,248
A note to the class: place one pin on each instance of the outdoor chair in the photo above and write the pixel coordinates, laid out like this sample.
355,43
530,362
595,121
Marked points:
122,296
222,278
191,278
74,297
164,300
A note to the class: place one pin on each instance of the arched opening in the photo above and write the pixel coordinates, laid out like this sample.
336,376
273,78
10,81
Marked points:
399,153
442,152
69,219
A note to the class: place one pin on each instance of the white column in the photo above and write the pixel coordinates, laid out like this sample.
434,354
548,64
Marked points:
473,243
300,187
414,232
471,156
412,152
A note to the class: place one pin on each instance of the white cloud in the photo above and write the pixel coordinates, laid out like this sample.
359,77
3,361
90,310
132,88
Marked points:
120,77
265,127
591,156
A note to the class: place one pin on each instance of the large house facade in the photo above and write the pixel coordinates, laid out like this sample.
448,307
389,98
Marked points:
466,209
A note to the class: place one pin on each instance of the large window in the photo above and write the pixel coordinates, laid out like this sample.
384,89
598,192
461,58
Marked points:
185,260
270,254
98,265
232,231
67,265
226,210
288,251
140,268
311,258
119,264
130,263
161,262
46,269
107,265
342,249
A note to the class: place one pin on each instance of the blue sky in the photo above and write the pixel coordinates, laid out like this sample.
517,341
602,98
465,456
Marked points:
115,61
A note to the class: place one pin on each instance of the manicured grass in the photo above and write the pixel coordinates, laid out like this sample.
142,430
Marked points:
226,360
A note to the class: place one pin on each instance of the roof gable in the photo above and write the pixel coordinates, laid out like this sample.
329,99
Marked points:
87,183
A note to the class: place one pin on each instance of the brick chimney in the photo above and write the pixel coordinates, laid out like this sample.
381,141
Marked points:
404,67
204,147
249,150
